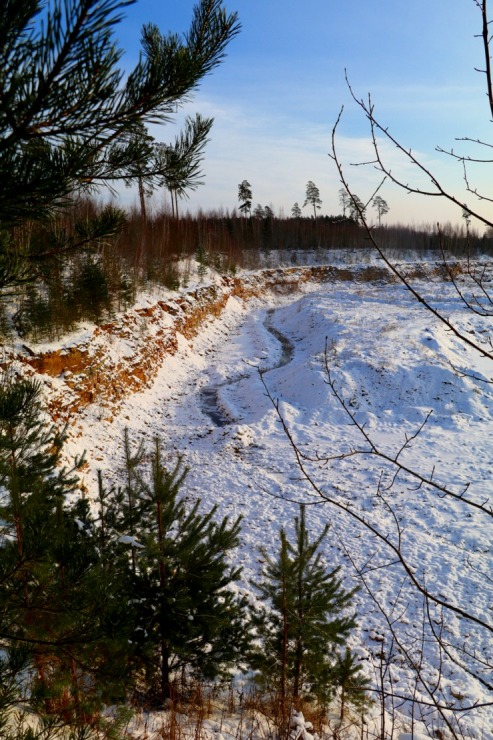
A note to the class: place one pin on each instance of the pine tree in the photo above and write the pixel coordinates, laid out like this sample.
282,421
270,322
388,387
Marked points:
142,171
296,211
344,200
312,197
178,165
60,618
300,632
352,683
67,111
188,621
245,197
356,208
381,206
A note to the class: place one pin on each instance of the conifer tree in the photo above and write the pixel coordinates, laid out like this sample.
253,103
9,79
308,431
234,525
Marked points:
312,197
142,171
245,197
60,618
381,206
296,211
188,619
304,623
344,200
68,112
352,683
178,165
356,208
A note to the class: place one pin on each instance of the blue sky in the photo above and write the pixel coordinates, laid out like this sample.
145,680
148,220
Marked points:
277,95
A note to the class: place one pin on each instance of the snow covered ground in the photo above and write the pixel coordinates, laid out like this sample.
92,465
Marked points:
392,362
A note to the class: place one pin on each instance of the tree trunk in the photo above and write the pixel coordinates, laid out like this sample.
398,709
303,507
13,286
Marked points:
284,650
298,669
15,495
166,692
142,197
166,689
343,706
298,666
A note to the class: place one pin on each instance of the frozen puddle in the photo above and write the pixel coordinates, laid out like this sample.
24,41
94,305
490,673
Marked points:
209,402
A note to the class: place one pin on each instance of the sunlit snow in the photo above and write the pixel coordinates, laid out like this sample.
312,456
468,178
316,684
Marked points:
392,363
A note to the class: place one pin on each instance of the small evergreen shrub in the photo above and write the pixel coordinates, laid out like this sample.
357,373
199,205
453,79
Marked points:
303,624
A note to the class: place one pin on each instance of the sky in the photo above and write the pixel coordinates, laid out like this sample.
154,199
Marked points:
276,96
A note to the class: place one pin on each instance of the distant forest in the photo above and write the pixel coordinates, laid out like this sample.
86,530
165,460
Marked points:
92,283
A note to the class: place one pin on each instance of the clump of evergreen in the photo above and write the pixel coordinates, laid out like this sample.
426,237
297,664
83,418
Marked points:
303,624
189,623
92,606
139,596
56,596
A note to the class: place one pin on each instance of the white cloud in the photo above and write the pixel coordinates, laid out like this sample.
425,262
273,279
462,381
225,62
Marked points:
278,154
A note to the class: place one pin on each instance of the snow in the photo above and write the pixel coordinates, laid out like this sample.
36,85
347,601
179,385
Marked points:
127,539
393,363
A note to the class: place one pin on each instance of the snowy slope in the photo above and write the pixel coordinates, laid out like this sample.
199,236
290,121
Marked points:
392,362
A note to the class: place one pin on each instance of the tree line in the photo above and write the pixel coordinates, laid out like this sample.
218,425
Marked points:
94,284
352,206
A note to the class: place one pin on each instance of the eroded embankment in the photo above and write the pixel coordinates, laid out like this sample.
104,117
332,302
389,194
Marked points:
122,357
